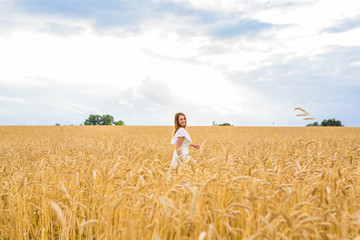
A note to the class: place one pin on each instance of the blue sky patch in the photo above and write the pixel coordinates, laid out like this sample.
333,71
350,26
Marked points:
241,28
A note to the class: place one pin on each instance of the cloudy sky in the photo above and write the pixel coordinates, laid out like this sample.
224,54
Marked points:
246,62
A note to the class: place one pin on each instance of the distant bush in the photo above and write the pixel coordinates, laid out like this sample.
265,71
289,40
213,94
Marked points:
225,124
119,123
221,124
328,122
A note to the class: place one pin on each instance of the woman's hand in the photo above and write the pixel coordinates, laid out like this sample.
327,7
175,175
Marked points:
195,145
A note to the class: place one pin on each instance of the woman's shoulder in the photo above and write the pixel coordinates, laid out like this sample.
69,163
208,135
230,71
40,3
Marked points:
180,132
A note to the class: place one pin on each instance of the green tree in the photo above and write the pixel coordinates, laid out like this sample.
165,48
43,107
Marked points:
224,124
331,122
106,120
119,123
327,122
315,124
221,124
93,119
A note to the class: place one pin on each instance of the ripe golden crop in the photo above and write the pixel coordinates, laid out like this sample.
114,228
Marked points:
112,182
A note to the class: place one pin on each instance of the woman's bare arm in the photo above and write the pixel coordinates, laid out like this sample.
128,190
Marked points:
178,145
195,145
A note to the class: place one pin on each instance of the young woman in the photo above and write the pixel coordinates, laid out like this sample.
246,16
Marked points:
181,140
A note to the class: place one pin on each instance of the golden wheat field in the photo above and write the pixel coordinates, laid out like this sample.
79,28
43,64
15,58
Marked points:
111,182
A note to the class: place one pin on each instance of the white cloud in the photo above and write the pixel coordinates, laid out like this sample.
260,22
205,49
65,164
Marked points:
313,14
125,103
75,108
81,59
13,100
150,109
355,64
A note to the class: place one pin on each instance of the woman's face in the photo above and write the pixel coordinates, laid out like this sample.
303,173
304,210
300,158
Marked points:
182,120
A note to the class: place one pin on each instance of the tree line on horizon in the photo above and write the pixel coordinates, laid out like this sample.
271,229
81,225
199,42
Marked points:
221,124
326,122
107,119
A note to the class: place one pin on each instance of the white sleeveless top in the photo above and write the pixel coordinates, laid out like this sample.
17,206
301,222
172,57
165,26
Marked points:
181,132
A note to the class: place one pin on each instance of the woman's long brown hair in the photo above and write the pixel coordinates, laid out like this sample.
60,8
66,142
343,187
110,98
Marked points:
177,124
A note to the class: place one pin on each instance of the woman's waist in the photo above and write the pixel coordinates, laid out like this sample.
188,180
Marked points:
183,147
186,145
